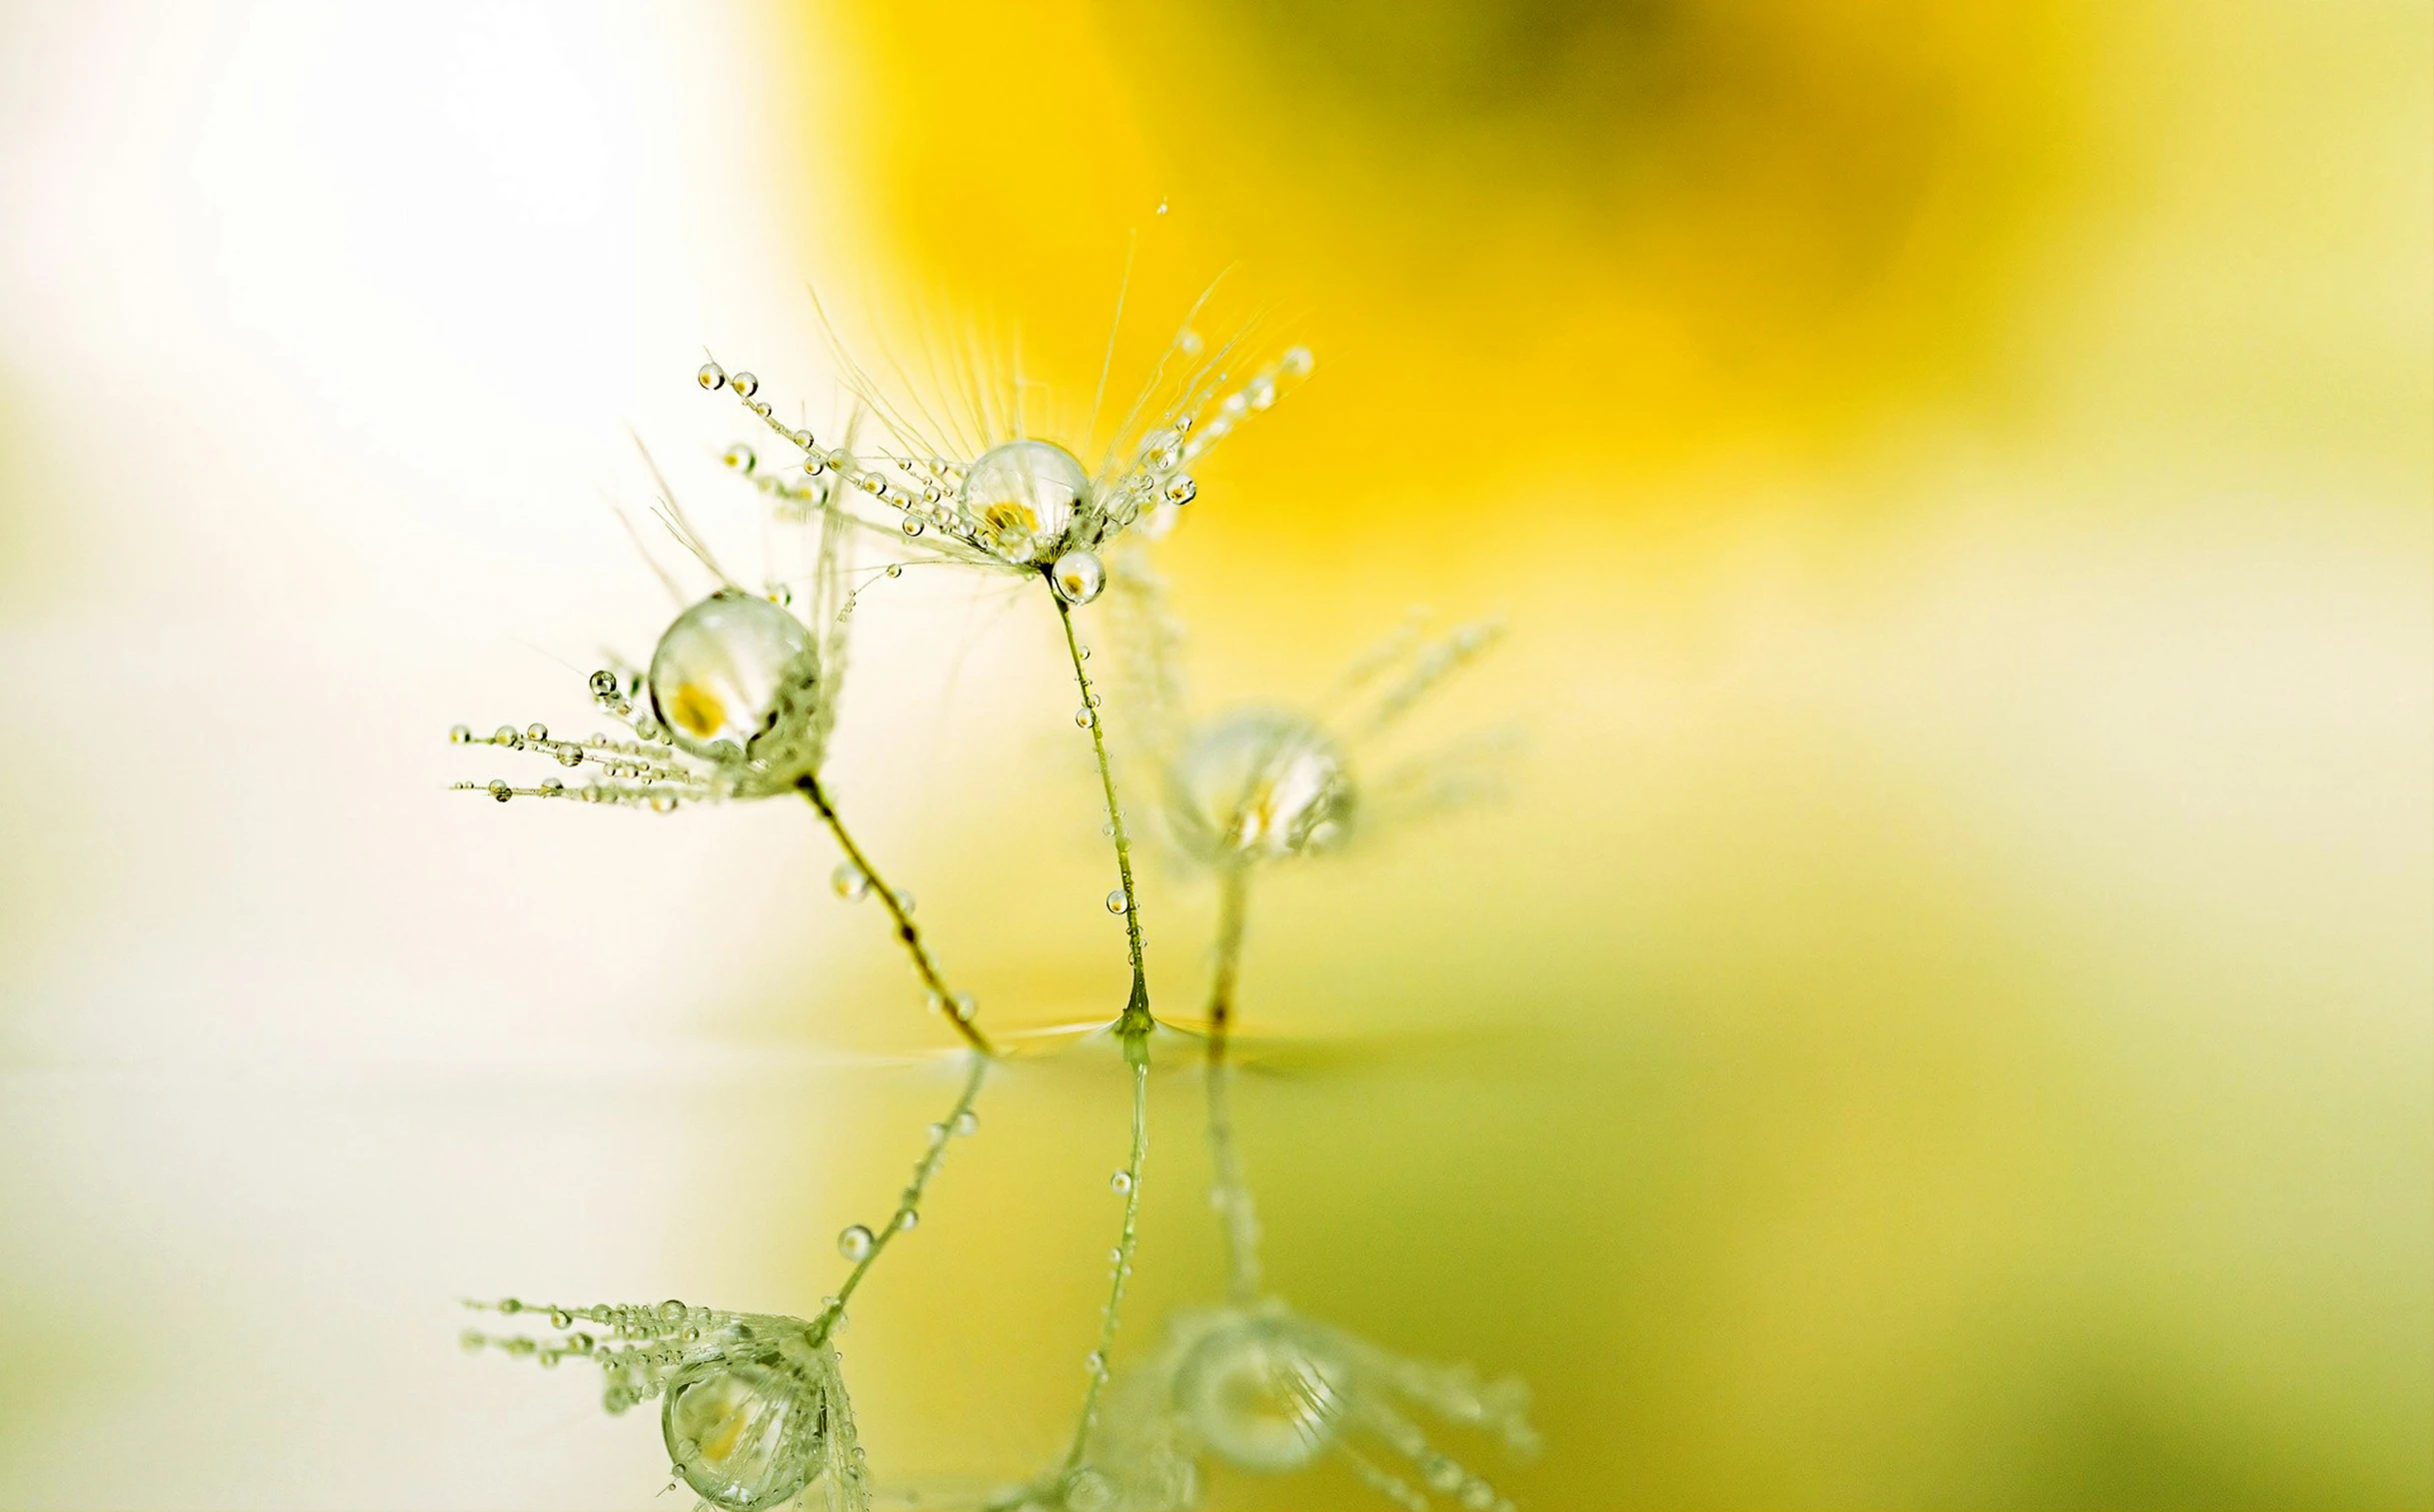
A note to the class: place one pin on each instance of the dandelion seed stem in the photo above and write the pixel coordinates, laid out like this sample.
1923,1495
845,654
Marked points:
911,1201
1233,1202
927,968
1136,1020
1125,1245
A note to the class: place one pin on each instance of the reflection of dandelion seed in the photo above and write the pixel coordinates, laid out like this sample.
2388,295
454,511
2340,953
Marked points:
754,1409
756,1406
1262,1389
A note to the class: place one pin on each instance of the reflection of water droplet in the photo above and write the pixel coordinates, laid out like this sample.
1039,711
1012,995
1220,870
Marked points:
1121,1182
743,1436
712,376
854,1243
1262,1395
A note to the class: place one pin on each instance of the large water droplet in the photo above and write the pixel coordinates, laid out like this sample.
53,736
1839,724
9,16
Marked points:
1258,783
1023,498
728,673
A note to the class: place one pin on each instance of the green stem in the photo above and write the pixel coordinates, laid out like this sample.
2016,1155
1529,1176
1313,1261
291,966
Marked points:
909,1201
1123,1266
928,970
1233,1197
1137,1022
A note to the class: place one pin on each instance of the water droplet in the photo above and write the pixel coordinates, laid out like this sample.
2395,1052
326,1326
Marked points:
1024,497
745,383
964,1008
561,1318
537,731
1296,362
851,882
896,569
662,803
571,756
740,457
908,1219
499,791
1260,784
1115,902
854,1243
1078,576
1181,490
672,1309
604,685
1442,1473
712,376
1084,717
1085,1490
904,900
1085,653
1162,207
1190,343
552,786
730,678
1121,1182
912,525
505,735
967,1123
459,735
509,1306
1093,1362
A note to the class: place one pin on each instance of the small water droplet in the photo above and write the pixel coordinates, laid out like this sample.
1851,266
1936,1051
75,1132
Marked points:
505,735
1296,362
571,756
662,803
712,376
1093,1362
740,457
1181,490
854,1243
1079,577
1121,1183
964,1008
851,882
509,1306
896,569
1084,717
499,791
745,383
912,525
537,731
908,1219
1115,902
459,735
967,1123
604,683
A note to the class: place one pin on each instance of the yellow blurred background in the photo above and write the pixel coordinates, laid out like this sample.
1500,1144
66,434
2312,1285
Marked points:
1945,1017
